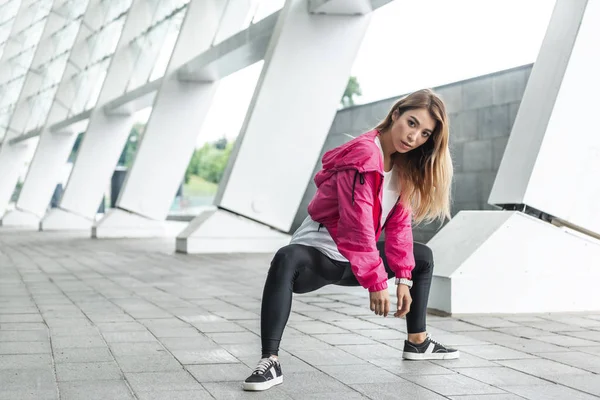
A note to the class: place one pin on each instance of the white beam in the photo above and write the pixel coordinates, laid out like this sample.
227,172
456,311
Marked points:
550,164
179,109
286,120
340,7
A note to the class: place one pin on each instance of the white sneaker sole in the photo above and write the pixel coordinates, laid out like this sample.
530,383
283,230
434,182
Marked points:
257,387
431,356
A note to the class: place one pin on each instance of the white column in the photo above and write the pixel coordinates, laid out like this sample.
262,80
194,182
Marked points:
105,136
548,250
53,147
171,132
294,104
13,157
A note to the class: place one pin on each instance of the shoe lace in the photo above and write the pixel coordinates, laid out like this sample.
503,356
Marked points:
263,365
435,341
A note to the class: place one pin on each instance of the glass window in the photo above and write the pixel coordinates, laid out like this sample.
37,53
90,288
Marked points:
114,8
8,10
150,45
64,39
266,8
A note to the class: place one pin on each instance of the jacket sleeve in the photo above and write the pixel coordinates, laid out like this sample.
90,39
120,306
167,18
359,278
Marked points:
399,244
356,238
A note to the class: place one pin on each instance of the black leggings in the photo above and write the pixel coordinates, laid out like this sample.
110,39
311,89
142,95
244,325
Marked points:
301,269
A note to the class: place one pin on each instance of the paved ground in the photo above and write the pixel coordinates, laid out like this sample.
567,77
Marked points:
105,319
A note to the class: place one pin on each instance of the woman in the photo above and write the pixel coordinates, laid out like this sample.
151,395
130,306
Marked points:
379,181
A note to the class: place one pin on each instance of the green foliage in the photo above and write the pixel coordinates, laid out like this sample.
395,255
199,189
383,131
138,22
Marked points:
352,89
126,158
209,161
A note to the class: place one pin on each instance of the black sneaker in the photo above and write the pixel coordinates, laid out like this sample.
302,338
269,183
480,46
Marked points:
266,375
428,350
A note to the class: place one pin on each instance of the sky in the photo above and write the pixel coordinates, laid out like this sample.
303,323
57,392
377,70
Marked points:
411,45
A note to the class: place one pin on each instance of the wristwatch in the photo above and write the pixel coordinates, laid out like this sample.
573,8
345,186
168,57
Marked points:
404,281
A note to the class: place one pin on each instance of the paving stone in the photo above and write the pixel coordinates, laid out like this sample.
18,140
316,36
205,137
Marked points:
585,383
489,322
372,352
314,327
395,391
95,390
543,368
188,343
176,395
355,324
399,366
87,371
382,334
174,332
162,381
566,341
455,384
25,361
128,337
73,331
494,352
488,397
29,394
121,327
501,376
162,361
133,349
333,356
455,326
548,392
356,374
24,347
232,390
24,336
588,335
550,326
8,318
234,337
576,321
23,326
205,356
73,342
341,339
83,355
29,379
220,372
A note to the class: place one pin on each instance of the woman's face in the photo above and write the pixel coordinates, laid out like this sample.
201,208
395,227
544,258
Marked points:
411,129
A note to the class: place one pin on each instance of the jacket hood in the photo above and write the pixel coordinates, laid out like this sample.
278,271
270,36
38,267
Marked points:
361,154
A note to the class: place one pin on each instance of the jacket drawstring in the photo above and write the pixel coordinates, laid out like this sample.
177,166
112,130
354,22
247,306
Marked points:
362,182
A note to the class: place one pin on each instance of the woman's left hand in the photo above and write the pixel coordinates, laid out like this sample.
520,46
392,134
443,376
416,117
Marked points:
404,300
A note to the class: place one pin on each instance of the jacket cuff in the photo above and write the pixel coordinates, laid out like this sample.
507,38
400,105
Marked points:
378,287
404,273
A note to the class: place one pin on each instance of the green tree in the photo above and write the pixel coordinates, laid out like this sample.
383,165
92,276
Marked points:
126,158
209,161
352,89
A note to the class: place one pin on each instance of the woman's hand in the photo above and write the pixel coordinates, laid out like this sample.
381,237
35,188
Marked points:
404,300
380,302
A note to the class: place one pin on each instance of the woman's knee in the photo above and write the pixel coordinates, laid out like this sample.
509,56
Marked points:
423,255
285,261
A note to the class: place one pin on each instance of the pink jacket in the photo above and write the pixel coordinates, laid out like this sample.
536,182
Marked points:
348,203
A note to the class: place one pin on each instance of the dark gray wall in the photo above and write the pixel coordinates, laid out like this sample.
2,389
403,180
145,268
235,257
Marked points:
481,112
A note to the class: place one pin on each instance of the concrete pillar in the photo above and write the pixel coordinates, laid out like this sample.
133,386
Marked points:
547,247
169,140
14,156
294,104
106,133
53,148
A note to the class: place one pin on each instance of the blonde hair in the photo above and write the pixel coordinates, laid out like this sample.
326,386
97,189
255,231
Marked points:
425,173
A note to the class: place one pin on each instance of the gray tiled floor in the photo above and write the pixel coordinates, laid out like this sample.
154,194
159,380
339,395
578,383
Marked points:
129,319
